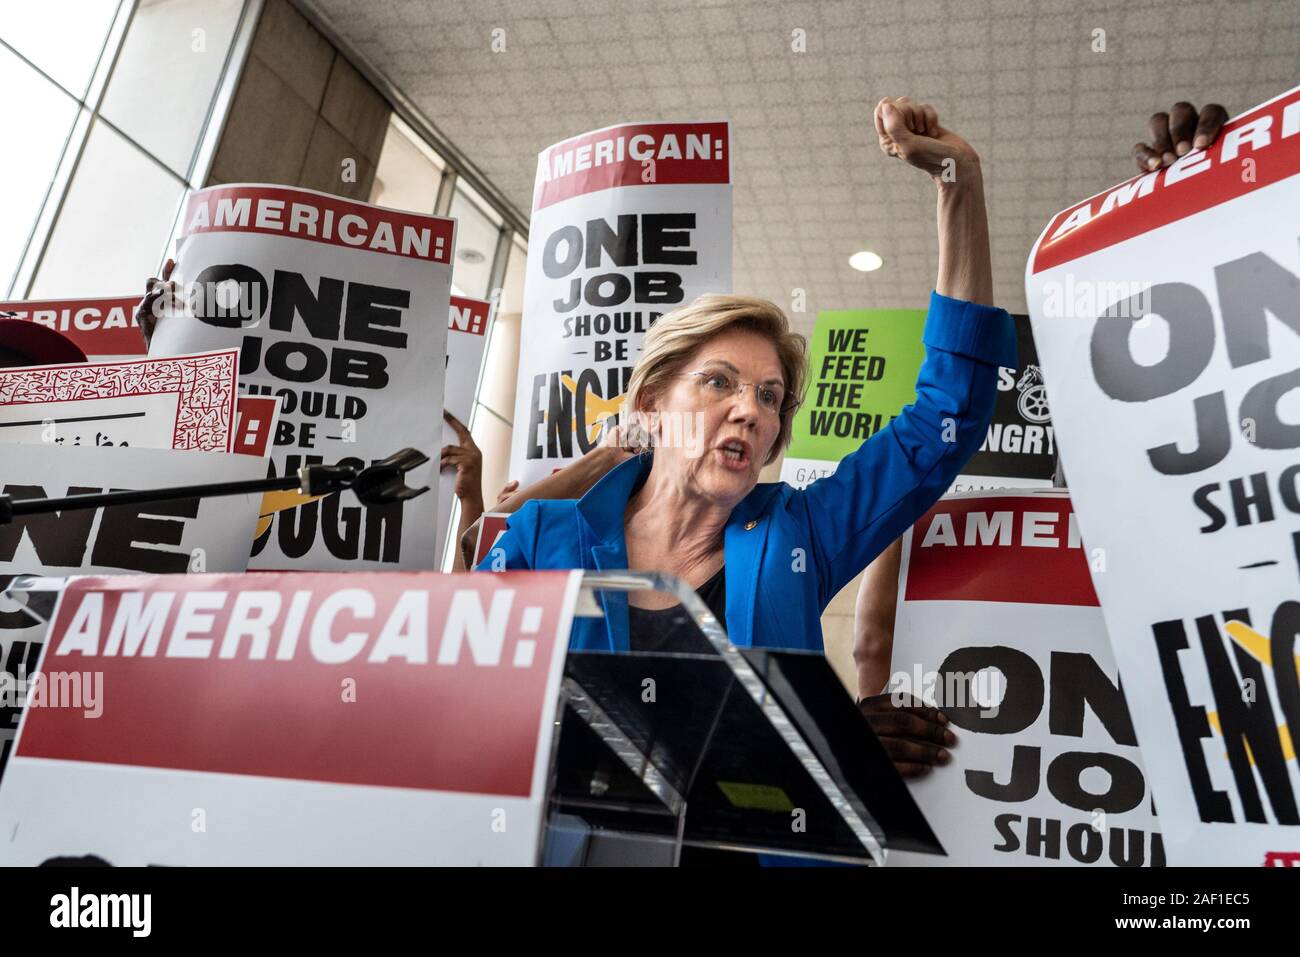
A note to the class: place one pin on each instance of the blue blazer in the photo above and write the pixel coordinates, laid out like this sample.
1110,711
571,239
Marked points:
789,552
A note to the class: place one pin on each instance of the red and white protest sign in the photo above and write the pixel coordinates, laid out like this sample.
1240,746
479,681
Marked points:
102,328
173,537
998,625
1167,319
398,718
176,402
467,335
339,309
1251,153
628,223
679,154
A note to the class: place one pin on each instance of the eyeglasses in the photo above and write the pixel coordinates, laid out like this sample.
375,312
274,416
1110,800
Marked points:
718,385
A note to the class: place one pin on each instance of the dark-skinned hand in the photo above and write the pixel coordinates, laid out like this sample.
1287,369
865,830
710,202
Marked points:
160,293
916,737
1178,132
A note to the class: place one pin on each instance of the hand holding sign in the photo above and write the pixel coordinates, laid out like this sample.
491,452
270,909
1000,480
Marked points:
911,132
1197,546
466,459
156,290
1178,132
913,735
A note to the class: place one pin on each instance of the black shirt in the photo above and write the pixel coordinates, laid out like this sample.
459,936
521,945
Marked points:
671,629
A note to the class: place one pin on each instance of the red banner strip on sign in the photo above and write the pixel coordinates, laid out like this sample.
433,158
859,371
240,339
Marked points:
320,218
412,680
469,315
1000,548
633,155
1253,151
99,327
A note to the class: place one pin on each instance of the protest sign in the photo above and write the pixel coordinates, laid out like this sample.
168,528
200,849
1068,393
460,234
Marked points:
862,369
999,626
26,604
177,536
629,222
1020,448
340,310
1166,312
467,334
102,328
176,402
339,719
124,412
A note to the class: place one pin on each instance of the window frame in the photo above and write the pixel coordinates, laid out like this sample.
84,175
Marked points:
89,107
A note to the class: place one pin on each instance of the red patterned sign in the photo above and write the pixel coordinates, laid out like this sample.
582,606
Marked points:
205,387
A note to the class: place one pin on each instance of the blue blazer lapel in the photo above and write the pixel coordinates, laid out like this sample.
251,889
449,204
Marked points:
743,543
601,513
603,545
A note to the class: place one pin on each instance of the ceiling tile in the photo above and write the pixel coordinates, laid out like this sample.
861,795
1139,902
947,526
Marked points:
1053,119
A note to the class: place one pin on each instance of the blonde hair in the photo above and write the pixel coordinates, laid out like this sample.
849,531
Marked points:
676,336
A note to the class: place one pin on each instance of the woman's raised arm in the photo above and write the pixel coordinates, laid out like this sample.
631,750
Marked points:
893,477
912,133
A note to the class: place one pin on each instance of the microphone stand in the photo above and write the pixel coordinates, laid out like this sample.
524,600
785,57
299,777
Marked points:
380,484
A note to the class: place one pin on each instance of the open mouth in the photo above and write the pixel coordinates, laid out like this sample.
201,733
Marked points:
735,453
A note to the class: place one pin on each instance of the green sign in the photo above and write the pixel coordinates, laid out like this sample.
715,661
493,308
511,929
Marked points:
862,367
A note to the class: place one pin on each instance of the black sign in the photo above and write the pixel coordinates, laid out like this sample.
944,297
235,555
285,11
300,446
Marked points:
1021,442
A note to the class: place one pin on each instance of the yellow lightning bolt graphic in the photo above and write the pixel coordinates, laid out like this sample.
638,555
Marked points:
1257,646
273,502
1253,642
598,409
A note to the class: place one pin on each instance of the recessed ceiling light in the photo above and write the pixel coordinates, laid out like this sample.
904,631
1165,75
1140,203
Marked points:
866,261
471,256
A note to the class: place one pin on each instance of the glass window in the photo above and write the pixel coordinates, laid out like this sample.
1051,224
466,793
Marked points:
492,436
117,215
37,115
409,172
512,289
477,232
184,41
501,369
62,37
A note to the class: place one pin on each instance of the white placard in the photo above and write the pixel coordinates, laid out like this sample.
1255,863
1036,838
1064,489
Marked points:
173,402
467,335
340,309
430,748
628,223
1167,316
998,625
162,537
